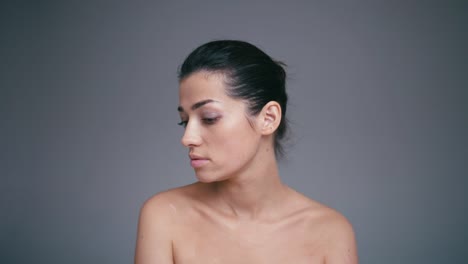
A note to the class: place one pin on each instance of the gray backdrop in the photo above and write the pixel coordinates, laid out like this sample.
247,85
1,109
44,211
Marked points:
88,118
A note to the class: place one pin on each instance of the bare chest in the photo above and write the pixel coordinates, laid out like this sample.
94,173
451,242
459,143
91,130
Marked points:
207,243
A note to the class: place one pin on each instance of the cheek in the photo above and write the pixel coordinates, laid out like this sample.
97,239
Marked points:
237,141
230,148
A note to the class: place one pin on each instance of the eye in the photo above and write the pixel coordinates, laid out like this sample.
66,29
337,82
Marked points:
183,123
210,121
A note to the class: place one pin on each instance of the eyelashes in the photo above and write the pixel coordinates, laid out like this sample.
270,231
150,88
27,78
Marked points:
210,121
206,121
183,123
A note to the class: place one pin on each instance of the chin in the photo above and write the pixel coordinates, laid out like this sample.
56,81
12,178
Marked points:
207,177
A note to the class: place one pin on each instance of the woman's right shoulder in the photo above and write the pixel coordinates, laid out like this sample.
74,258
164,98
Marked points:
170,201
157,222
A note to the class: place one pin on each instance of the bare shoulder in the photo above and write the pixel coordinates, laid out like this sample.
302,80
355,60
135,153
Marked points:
156,226
333,231
328,218
166,203
341,242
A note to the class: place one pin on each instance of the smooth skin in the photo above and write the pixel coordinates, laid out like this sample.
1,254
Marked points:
238,211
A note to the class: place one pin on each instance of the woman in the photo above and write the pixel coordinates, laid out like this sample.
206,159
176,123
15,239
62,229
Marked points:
232,104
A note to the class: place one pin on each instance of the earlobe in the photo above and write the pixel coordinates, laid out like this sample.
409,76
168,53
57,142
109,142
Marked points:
271,114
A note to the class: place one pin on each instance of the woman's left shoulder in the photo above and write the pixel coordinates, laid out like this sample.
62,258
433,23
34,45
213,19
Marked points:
333,218
324,219
335,231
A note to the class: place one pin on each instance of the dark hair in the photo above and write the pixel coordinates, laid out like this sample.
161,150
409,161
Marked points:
251,75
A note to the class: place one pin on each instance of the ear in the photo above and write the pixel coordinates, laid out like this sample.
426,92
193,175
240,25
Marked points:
270,118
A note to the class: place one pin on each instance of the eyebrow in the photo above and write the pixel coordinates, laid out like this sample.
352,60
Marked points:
197,105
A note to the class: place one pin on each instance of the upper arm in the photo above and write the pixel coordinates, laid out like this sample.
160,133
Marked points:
154,241
342,247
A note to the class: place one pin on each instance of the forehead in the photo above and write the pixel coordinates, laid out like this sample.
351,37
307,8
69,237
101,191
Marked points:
202,86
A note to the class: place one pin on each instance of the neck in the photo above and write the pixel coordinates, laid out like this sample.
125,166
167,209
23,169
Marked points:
254,194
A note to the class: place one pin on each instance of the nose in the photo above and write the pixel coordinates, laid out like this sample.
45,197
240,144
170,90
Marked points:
191,136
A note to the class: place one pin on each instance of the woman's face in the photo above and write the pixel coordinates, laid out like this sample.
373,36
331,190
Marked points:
220,139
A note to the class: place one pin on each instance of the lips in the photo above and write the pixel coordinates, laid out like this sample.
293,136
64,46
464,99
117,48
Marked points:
197,161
